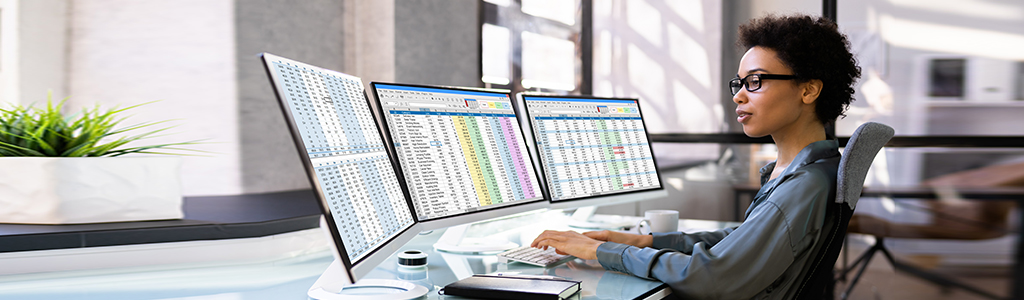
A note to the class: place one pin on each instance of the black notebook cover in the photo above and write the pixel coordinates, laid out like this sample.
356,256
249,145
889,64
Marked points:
512,287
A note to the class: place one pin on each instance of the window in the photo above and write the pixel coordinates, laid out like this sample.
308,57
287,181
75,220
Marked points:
536,45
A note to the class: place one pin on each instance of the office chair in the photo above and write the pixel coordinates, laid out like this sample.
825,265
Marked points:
950,223
860,151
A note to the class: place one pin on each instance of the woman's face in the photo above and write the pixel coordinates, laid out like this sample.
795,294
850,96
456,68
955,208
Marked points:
778,106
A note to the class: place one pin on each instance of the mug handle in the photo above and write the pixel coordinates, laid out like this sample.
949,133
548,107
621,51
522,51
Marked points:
641,224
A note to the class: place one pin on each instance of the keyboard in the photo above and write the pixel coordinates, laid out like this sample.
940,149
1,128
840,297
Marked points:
534,256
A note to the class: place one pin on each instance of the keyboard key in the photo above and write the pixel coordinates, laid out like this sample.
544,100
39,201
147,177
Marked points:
534,256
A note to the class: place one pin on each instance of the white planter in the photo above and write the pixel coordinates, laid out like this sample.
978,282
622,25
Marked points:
69,190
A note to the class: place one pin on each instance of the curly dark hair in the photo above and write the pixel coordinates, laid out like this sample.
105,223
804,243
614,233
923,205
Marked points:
815,49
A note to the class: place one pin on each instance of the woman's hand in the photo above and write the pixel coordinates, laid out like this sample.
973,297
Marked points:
637,240
568,242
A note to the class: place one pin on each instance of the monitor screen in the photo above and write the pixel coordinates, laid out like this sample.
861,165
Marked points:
591,147
344,154
460,150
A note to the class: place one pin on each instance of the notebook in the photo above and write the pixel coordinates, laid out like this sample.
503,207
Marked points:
512,287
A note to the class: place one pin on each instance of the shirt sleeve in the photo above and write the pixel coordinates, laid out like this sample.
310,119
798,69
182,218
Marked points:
743,263
683,242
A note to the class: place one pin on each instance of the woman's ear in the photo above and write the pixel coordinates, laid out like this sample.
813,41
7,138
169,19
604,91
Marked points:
811,90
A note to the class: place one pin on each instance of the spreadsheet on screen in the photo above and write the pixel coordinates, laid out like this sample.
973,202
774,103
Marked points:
347,153
459,150
591,146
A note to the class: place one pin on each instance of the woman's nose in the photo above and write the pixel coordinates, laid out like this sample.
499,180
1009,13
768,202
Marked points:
740,97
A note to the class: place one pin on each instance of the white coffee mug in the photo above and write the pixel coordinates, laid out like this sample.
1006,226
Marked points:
662,220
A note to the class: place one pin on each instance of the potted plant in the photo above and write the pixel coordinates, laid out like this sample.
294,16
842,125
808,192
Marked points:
81,168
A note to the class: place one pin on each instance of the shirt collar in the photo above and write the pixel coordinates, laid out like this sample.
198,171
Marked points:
813,152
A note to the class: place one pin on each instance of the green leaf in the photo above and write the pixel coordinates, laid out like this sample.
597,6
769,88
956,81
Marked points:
46,131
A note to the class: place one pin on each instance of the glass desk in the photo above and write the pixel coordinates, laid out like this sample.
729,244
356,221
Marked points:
444,268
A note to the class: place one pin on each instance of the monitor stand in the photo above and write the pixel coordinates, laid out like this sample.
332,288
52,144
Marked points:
333,284
454,241
581,219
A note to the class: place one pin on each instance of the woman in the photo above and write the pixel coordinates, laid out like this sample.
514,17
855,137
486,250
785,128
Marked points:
796,76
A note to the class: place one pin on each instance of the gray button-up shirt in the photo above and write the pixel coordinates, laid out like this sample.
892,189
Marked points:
759,259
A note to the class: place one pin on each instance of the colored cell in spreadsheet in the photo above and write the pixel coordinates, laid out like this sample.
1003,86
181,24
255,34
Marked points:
479,159
592,148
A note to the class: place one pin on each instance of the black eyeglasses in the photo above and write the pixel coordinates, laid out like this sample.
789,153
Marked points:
753,81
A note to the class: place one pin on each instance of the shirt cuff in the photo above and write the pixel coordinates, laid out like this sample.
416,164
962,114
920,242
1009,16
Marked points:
609,254
664,240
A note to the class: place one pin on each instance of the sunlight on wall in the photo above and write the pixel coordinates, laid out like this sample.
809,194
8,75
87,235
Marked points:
667,53
691,112
645,72
646,21
648,74
690,54
690,11
602,62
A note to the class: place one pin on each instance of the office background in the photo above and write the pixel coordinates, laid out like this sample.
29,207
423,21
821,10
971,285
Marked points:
199,59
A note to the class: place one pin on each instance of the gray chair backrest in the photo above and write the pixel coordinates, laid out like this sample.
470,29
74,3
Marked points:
860,152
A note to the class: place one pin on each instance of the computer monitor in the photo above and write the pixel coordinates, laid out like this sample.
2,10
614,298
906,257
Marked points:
462,154
352,174
593,151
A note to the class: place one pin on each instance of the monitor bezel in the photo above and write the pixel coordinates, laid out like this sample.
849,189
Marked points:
375,256
610,198
477,215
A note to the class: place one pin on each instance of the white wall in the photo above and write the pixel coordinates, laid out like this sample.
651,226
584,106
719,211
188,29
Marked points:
42,67
181,52
9,51
32,52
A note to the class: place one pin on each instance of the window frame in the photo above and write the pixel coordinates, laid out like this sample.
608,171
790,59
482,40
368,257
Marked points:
516,21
